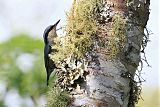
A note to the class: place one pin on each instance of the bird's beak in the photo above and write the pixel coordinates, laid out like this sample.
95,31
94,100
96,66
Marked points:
57,23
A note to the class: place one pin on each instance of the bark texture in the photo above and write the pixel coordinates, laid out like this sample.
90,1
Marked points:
104,76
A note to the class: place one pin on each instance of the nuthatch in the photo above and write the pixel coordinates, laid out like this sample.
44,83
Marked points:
48,36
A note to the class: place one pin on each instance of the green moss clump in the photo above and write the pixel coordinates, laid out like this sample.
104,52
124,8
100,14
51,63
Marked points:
117,39
81,28
81,25
57,98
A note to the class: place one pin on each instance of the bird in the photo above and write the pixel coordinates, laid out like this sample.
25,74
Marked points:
48,36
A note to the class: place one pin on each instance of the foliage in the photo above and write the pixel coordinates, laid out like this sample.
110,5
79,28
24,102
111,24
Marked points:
57,98
32,82
2,103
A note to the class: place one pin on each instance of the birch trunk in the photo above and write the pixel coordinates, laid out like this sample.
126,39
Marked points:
106,77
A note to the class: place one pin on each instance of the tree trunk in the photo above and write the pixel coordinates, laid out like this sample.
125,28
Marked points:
101,73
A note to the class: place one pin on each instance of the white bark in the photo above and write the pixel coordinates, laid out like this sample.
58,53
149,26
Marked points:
108,82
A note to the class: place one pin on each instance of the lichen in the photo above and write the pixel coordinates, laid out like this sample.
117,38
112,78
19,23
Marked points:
86,20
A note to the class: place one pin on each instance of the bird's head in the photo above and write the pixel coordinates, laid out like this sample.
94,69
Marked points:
51,28
56,23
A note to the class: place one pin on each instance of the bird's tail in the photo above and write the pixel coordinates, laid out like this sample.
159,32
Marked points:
47,79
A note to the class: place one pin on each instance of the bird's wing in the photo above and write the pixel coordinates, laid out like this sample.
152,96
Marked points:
49,63
47,50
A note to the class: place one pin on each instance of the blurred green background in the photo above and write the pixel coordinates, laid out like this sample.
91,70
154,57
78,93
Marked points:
21,67
22,72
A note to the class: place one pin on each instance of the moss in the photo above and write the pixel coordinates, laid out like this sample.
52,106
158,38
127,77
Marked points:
81,25
80,28
117,38
57,98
